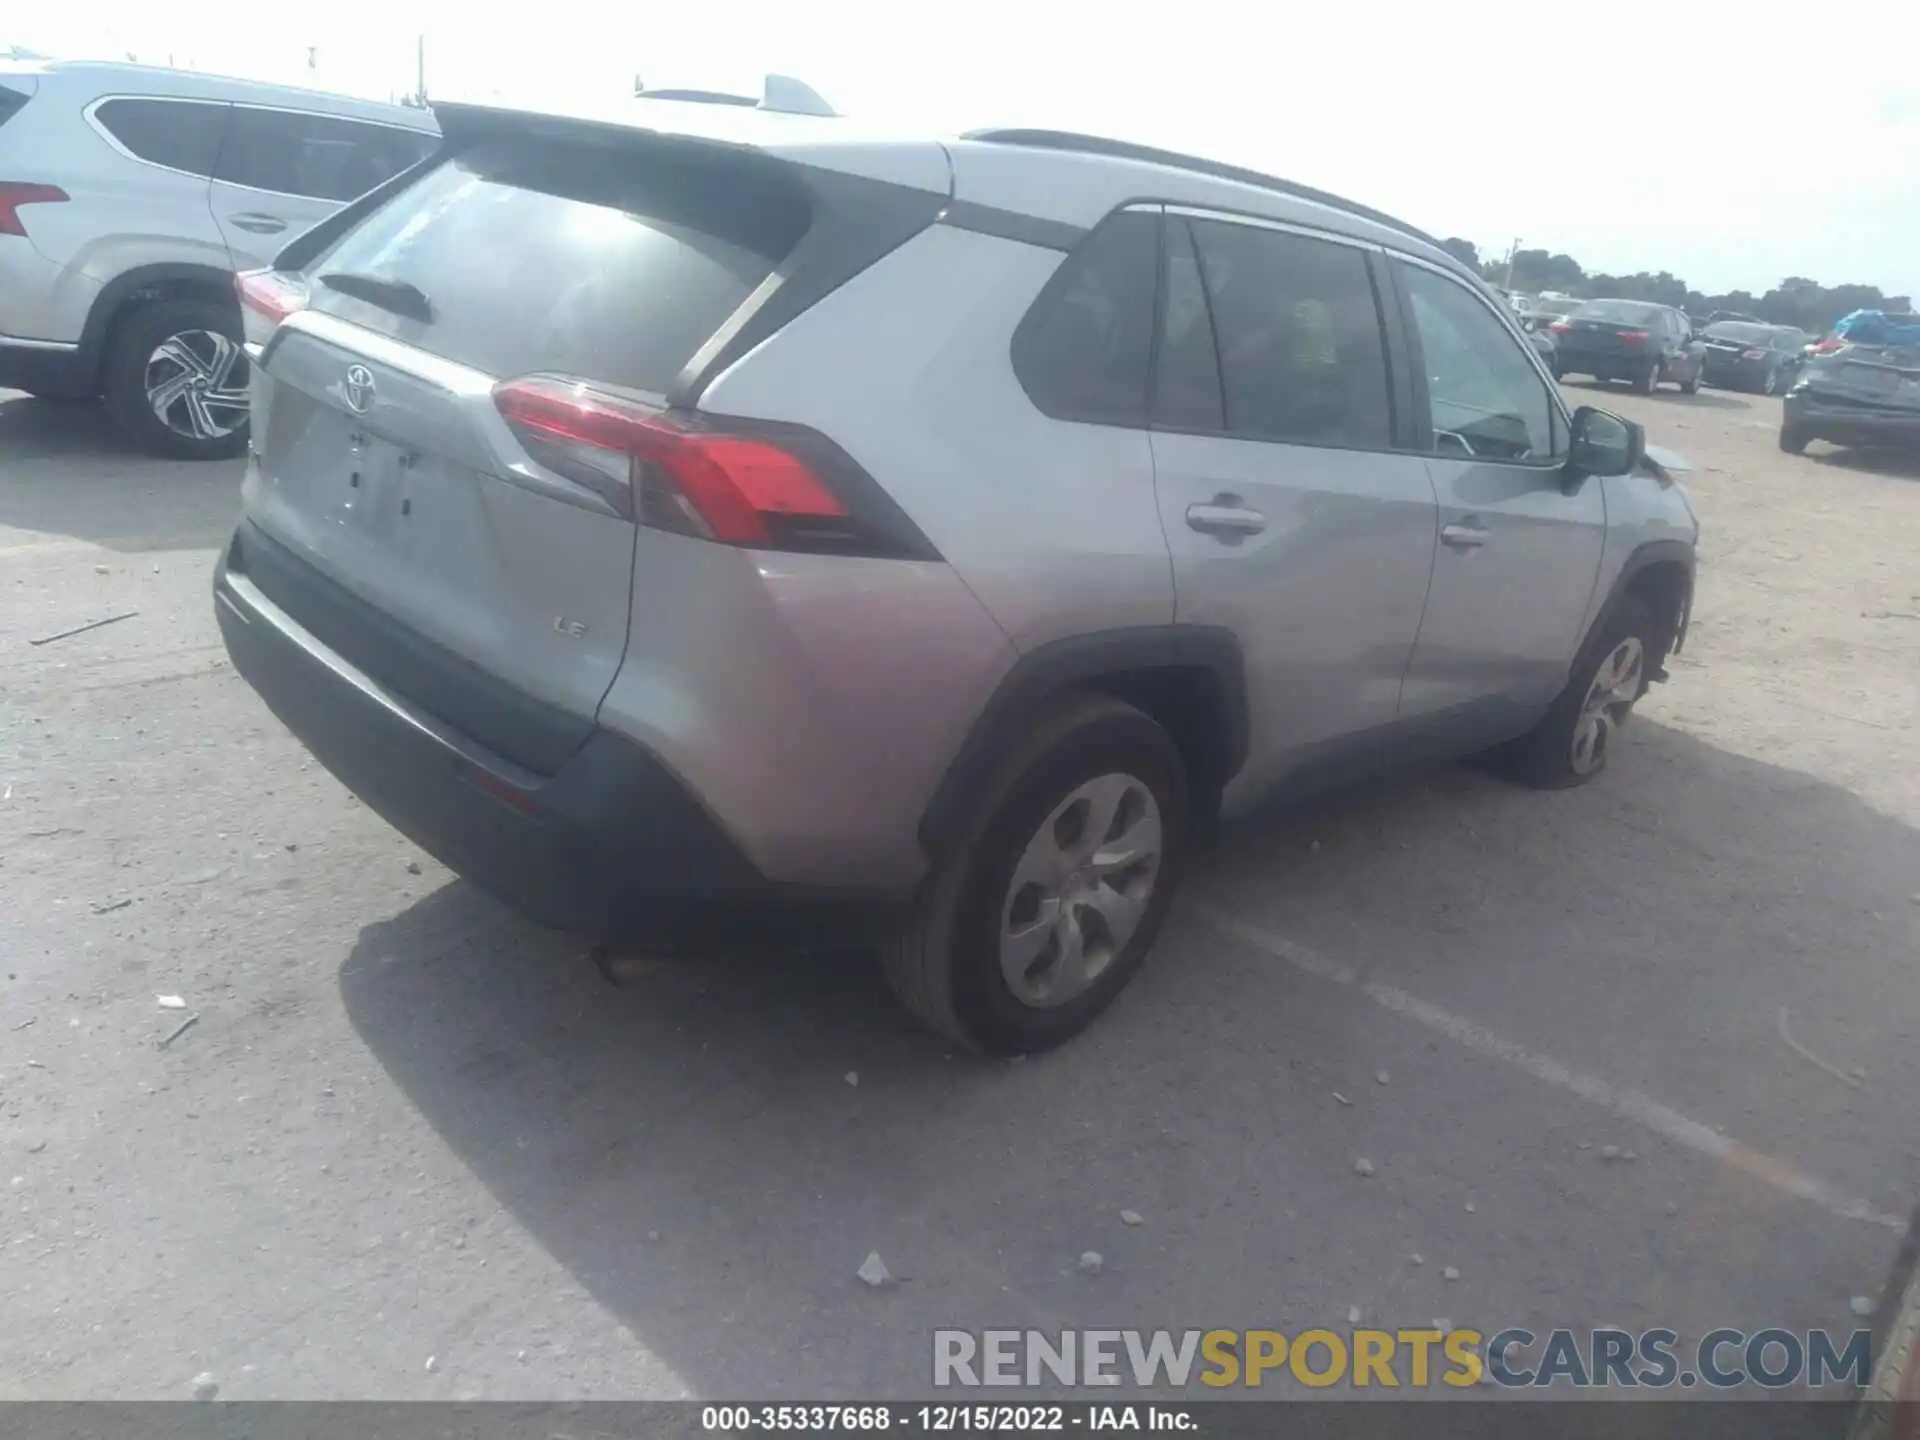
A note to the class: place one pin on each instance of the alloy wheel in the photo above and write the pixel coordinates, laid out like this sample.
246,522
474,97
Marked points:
196,384
1080,890
1616,685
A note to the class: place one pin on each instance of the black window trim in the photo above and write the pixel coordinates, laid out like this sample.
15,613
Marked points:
1400,430
92,115
1416,366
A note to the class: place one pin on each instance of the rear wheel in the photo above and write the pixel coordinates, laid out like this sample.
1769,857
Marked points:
176,380
1771,384
1048,903
1571,745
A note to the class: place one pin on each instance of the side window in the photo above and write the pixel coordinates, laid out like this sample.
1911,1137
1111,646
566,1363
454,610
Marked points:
1186,389
1487,398
1298,337
179,134
318,156
1081,352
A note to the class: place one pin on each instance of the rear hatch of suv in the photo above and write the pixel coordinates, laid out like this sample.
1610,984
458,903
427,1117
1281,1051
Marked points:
413,503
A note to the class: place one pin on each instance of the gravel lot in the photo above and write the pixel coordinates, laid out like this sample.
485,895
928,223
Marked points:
415,1148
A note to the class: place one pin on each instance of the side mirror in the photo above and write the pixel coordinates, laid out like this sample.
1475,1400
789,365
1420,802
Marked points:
1601,443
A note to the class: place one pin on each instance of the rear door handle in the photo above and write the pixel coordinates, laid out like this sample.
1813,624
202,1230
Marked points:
1222,518
258,223
1464,537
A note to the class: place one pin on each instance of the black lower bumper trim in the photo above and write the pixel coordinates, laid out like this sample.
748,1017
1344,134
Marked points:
611,846
1816,419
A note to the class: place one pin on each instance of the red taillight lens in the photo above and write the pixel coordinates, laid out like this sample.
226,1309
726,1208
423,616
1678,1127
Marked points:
1559,327
15,193
1633,337
1827,347
270,294
696,474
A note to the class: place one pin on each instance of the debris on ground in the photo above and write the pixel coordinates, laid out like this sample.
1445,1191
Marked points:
111,906
1672,1209
1131,1217
170,1002
1363,1166
1353,1315
1443,1324
83,629
1380,1076
1418,1259
413,867
205,1387
1609,1152
874,1270
1090,1261
1812,1059
26,1022
36,1147
1449,1273
1341,1098
1469,1207
853,1078
179,1030
1861,1305
653,1237
433,1363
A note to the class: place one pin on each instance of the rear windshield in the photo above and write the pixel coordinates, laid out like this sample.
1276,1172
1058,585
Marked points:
1739,330
10,103
610,264
1619,312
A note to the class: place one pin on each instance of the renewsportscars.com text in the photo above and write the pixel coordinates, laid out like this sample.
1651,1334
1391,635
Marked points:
1415,1359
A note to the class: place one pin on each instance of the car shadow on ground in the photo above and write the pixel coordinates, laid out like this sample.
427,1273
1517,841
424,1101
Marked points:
1899,464
693,1149
68,471
1702,399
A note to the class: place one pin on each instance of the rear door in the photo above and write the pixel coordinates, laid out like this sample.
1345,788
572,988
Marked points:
1518,558
384,462
283,171
1293,520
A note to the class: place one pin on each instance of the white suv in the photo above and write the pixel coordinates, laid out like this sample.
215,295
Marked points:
130,195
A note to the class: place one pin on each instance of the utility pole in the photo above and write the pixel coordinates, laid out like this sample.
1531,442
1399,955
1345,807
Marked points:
420,70
1512,251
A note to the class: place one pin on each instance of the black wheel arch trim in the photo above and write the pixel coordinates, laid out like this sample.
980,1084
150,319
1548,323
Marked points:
111,302
1042,674
1644,557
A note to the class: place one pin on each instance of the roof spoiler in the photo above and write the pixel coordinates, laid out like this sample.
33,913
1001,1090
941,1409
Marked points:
781,93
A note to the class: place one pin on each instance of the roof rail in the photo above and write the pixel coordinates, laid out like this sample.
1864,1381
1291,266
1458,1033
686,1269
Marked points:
1127,150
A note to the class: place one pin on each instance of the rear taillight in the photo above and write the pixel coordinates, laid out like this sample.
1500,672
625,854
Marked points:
1559,327
270,294
1753,354
736,482
1828,347
15,193
1633,337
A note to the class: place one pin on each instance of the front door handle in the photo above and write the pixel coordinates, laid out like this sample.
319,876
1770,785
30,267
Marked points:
1464,537
258,223
1225,516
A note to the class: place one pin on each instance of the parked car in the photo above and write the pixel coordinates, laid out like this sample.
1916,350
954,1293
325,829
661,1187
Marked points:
129,197
612,536
1858,395
1631,340
1741,355
1543,310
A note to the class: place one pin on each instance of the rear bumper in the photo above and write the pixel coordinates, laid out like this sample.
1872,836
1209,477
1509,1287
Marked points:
1719,371
610,846
1820,417
1602,364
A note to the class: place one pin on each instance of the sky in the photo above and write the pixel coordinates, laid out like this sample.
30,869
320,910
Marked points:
1727,145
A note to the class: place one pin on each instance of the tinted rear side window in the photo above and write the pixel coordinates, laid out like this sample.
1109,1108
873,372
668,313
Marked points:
179,134
318,156
1082,350
608,264
1298,330
10,103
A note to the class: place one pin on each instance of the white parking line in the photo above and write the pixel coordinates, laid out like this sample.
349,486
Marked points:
1628,1104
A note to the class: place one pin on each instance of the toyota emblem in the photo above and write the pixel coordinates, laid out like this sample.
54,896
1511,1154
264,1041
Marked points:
359,389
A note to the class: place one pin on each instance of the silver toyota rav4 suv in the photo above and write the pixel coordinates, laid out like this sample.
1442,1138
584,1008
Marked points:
695,519
129,196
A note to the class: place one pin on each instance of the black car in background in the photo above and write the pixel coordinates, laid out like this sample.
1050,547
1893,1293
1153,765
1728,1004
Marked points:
1743,355
1634,340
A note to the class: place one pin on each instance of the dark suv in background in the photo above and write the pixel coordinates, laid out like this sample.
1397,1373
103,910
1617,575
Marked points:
1634,340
